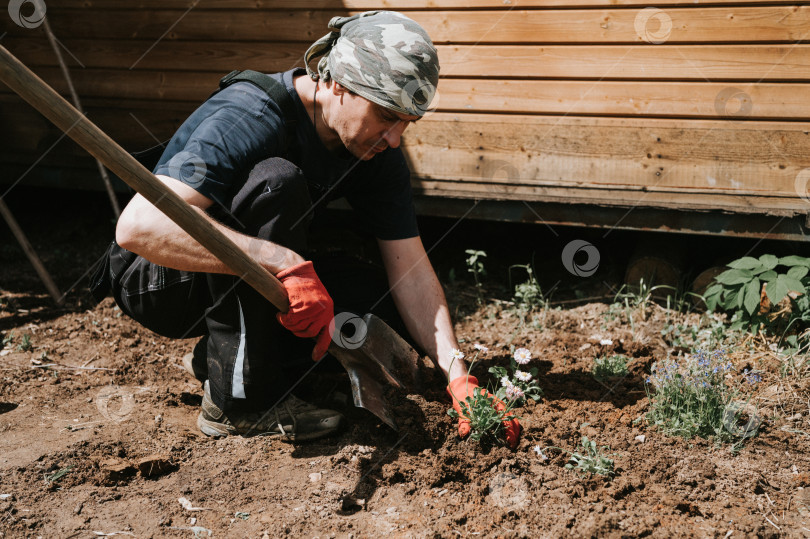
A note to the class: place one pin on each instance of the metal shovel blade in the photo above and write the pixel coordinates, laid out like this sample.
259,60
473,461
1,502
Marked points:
373,356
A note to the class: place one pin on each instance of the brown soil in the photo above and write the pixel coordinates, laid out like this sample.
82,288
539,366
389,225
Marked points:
117,394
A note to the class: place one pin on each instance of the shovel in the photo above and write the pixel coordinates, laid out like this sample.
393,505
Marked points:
373,356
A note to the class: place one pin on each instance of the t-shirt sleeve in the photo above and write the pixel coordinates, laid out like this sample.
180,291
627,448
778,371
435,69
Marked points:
383,197
221,142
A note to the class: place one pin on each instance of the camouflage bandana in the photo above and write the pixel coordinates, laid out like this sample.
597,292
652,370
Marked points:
381,55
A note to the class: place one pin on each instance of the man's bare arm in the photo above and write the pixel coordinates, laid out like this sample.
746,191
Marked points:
421,303
148,232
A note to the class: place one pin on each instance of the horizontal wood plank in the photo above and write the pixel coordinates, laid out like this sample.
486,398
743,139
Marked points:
660,99
665,199
662,62
728,63
663,99
763,158
400,5
652,25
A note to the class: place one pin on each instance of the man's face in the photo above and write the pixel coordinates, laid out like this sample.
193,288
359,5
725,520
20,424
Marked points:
365,128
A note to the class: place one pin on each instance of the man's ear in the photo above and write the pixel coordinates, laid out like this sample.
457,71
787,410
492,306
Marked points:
338,89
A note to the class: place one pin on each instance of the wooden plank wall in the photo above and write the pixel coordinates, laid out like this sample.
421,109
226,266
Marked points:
685,104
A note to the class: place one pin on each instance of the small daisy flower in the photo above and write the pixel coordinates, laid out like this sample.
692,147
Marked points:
522,356
513,392
457,354
505,381
523,376
481,348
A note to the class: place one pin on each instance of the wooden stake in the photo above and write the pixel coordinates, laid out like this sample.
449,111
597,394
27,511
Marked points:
44,276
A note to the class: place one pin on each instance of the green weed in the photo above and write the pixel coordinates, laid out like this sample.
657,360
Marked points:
738,291
528,294
607,367
8,339
475,265
25,344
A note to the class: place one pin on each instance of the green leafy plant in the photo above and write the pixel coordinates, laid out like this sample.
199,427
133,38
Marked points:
692,398
528,294
25,344
485,411
8,339
607,367
475,265
590,461
516,384
57,476
738,291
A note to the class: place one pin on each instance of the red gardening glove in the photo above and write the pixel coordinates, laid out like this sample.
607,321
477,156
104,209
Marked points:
465,386
311,307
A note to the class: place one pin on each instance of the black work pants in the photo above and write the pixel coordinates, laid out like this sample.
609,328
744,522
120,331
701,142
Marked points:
251,359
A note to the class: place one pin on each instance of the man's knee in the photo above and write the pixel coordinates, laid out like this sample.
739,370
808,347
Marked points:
274,203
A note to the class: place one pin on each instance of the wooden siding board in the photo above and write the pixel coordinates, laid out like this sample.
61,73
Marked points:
474,152
399,5
687,25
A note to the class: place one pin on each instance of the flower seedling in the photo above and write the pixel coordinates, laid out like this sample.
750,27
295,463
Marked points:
55,477
608,367
590,461
486,412
25,344
517,384
8,339
476,266
692,398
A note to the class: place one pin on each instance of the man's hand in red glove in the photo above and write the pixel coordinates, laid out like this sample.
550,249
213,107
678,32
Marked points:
311,307
467,386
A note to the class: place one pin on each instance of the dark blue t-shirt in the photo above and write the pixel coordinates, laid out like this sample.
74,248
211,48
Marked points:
219,144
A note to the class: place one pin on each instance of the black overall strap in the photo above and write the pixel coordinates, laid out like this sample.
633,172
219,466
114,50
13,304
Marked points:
275,89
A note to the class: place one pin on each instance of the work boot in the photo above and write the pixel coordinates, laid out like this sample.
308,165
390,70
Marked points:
194,368
291,419
196,363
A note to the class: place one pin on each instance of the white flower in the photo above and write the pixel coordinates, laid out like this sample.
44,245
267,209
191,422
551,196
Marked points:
539,452
513,392
505,381
522,356
523,376
455,353
606,342
481,348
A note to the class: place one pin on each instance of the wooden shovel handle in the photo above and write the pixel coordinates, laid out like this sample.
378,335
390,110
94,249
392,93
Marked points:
43,98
